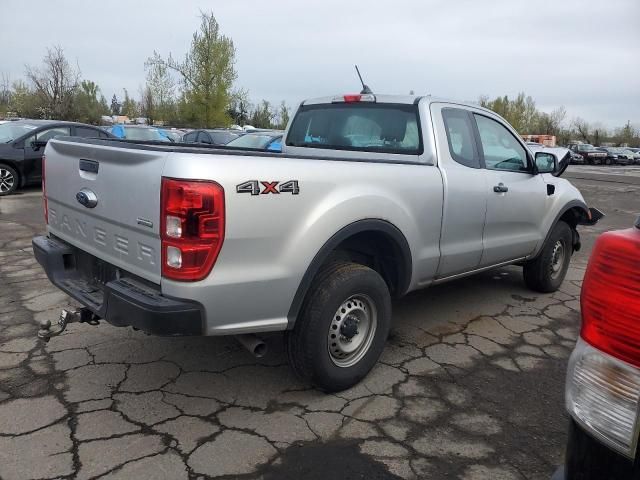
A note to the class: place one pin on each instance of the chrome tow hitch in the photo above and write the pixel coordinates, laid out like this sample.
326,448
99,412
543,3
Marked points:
84,315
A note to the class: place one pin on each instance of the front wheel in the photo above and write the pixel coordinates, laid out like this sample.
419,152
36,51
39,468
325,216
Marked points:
9,179
546,272
342,329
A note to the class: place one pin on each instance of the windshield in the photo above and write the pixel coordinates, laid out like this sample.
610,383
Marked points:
146,134
586,146
12,130
251,140
367,127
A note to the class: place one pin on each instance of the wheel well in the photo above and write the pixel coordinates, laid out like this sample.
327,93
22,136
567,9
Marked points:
375,243
573,216
377,251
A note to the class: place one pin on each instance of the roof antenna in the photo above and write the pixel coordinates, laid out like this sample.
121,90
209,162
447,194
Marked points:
365,89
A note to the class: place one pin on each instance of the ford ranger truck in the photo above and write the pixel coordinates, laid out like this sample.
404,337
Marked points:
373,196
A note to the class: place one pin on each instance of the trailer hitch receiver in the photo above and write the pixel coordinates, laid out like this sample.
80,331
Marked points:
83,315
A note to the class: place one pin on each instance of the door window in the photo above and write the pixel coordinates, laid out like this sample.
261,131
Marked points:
46,135
460,137
500,148
87,132
190,137
203,137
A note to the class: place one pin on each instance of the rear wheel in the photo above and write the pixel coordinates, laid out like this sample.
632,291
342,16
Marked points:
343,327
9,179
546,272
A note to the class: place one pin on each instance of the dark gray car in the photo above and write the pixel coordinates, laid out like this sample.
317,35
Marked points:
22,147
213,136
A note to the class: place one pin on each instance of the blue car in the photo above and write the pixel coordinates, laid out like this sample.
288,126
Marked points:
139,132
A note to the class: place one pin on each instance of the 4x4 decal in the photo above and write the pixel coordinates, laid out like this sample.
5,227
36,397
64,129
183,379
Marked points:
258,187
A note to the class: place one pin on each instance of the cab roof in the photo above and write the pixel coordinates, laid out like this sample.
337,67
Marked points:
399,99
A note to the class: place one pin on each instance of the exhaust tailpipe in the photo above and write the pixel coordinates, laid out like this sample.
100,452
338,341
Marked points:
254,344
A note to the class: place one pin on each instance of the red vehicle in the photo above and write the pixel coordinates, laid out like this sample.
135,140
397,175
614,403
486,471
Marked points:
591,155
603,379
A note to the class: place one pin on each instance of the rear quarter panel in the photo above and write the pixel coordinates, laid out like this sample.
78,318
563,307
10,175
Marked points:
271,239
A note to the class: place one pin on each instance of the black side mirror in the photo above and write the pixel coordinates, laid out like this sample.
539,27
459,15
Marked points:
546,162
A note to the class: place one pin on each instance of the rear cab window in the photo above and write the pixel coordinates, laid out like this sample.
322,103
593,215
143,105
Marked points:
360,127
460,137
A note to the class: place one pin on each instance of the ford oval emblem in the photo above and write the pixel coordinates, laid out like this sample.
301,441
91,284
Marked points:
87,198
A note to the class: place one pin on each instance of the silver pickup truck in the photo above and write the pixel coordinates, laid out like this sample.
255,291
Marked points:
373,196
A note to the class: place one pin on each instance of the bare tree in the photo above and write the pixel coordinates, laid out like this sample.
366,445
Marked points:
159,91
55,84
5,92
583,129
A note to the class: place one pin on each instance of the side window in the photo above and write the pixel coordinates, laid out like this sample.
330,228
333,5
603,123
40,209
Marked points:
500,148
87,132
460,137
47,135
203,137
190,137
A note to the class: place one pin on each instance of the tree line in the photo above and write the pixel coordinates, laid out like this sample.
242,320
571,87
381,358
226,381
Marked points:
195,91
198,91
521,112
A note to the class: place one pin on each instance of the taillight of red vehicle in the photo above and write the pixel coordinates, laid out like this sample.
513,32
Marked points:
610,300
603,381
192,226
45,206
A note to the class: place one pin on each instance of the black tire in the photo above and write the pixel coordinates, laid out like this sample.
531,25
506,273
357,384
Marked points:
307,345
608,161
544,273
9,180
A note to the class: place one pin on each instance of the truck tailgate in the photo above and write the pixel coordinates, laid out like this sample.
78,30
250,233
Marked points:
123,226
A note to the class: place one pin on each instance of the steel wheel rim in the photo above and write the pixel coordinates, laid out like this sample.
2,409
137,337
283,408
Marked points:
557,259
344,351
7,180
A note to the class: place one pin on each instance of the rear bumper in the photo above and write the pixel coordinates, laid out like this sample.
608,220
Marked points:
122,301
588,459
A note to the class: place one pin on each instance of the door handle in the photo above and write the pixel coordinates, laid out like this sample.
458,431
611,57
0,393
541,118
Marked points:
500,188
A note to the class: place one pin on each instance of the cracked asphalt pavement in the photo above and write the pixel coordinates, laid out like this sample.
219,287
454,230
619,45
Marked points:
470,385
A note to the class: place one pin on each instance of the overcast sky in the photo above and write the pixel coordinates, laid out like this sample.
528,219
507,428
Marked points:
583,54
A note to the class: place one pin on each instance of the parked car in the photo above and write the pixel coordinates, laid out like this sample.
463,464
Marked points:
618,155
576,158
172,134
214,136
636,154
374,196
603,379
22,145
139,132
263,140
591,155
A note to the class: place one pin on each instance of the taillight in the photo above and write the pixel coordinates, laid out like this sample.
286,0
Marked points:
191,227
355,98
603,379
45,206
610,299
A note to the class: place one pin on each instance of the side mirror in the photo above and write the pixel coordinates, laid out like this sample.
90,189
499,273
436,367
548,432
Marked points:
546,162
